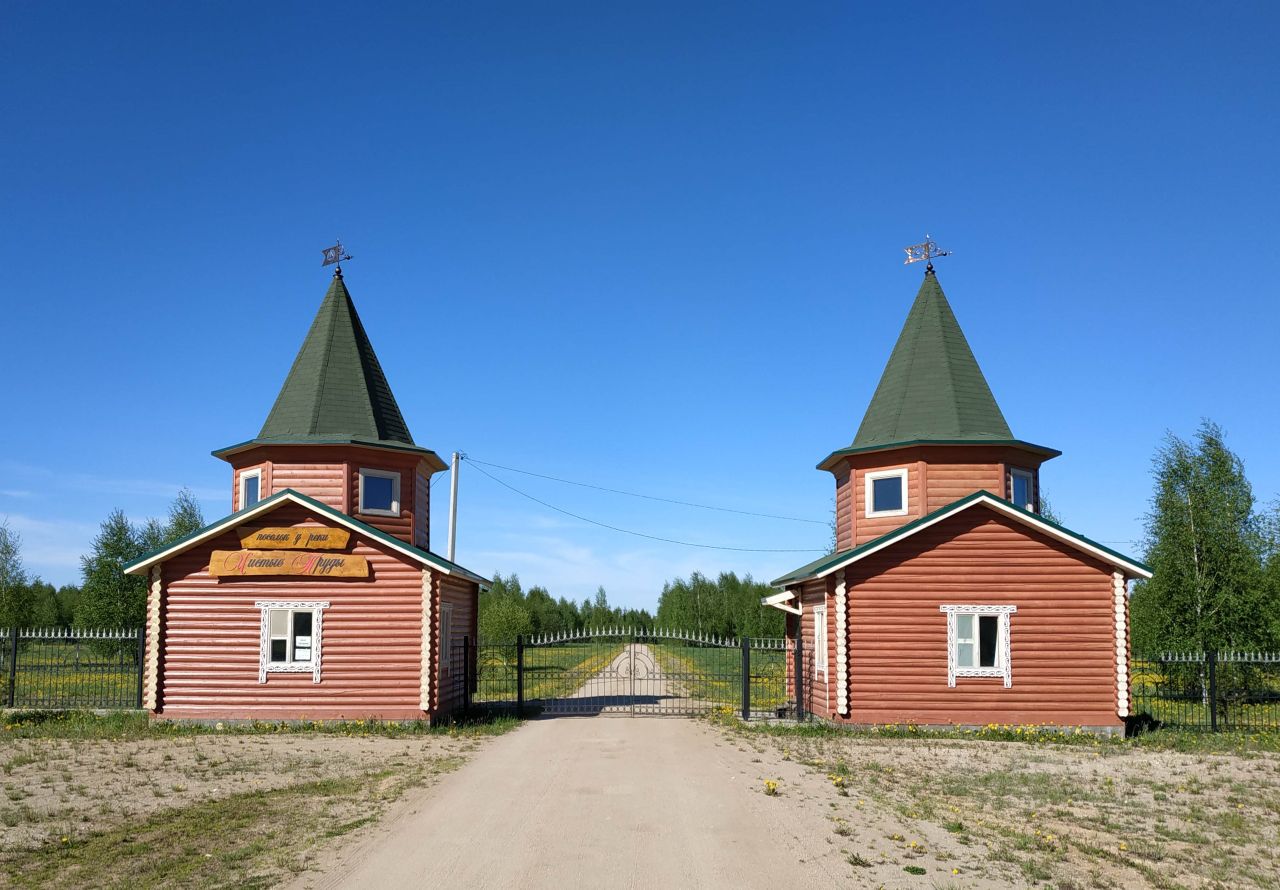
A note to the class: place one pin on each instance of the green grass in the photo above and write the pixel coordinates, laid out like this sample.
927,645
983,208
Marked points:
1186,741
251,839
713,674
135,725
549,671
62,675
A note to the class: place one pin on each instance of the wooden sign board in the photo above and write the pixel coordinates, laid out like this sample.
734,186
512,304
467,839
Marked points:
303,537
235,563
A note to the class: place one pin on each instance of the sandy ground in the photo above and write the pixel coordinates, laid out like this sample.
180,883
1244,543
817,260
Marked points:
594,801
51,785
642,802
976,814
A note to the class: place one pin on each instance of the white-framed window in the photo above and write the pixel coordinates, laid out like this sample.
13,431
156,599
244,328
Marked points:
1022,489
379,492
978,642
446,638
250,487
820,640
887,492
291,633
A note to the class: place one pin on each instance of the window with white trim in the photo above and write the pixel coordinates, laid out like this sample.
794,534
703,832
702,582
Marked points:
290,638
886,493
250,487
379,492
446,638
820,640
978,642
1022,489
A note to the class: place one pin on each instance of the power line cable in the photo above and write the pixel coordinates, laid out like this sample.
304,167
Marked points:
647,497
627,531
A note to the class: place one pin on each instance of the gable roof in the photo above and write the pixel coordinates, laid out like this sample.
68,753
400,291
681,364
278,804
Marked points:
279,499
932,387
336,391
833,562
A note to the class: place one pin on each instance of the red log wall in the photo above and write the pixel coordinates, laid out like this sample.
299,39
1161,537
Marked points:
371,644
1062,636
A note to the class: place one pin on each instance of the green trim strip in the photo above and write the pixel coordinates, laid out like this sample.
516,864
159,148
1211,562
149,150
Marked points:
825,563
1008,443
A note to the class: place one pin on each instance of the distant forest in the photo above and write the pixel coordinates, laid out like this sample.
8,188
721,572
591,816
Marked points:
726,606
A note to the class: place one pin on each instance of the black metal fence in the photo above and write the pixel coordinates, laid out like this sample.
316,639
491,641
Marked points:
71,668
1208,690
628,671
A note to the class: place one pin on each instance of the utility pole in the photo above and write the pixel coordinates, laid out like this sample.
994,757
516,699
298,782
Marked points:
453,504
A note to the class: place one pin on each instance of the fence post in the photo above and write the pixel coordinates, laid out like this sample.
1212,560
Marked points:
799,677
142,660
519,675
1212,657
13,666
746,678
466,675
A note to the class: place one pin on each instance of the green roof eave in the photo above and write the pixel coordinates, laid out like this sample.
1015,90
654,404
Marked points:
267,504
830,460
230,450
826,564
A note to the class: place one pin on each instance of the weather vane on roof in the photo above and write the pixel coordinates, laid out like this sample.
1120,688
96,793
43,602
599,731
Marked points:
925,251
335,254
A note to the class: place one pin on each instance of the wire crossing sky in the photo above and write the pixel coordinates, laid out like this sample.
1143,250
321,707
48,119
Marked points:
655,248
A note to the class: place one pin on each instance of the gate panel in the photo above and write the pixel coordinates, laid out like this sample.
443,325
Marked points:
634,672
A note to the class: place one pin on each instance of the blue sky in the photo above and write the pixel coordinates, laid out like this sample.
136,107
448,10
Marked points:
654,247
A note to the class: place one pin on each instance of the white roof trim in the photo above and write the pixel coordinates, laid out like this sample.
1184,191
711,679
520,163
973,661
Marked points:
780,600
266,506
1029,520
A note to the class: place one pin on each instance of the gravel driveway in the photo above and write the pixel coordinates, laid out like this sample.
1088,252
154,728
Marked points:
594,801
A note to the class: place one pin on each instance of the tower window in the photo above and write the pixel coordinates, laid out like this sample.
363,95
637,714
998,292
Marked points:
379,492
250,488
887,493
1022,489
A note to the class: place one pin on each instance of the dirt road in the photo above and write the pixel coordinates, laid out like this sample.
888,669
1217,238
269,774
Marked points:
605,801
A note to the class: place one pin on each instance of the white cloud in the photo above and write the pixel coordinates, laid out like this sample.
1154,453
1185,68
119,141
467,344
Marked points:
88,482
51,548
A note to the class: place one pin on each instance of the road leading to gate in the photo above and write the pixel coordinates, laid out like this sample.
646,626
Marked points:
591,802
614,691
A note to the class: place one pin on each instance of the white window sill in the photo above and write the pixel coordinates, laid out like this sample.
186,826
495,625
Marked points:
877,515
372,512
993,672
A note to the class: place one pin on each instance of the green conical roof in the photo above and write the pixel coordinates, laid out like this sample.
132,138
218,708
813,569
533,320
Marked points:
932,387
336,388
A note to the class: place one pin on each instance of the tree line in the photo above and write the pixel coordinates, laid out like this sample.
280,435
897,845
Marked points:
726,606
1215,555
1214,552
106,598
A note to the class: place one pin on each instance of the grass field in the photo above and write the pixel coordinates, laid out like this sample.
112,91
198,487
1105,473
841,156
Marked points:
714,674
55,674
552,671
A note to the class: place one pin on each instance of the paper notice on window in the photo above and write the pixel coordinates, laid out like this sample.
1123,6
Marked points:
301,654
300,642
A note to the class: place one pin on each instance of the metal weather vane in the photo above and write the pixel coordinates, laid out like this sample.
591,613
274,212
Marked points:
925,251
335,254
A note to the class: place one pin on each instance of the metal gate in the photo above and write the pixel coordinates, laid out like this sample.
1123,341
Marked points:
634,672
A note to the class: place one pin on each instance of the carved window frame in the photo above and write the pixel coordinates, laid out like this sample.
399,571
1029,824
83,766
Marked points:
265,664
1003,669
820,640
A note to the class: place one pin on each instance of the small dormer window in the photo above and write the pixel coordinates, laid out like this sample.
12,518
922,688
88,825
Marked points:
250,488
379,492
1022,489
887,493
